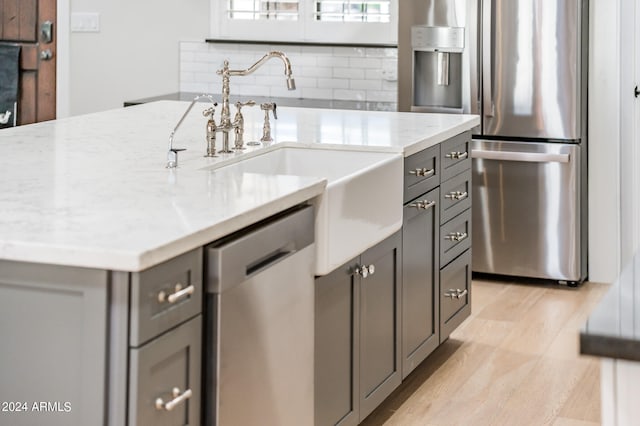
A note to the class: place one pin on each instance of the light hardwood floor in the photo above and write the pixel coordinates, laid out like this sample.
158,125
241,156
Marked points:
514,361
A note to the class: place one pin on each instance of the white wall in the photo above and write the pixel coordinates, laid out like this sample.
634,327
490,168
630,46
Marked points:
604,141
136,52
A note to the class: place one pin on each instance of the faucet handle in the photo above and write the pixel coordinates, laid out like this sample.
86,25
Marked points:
209,112
239,104
269,106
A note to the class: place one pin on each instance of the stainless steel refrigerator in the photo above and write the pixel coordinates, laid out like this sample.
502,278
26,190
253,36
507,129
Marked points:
527,71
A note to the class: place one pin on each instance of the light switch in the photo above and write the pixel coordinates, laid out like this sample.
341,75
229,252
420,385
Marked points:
85,22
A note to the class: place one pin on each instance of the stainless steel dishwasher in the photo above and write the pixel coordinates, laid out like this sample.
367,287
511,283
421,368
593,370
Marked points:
259,331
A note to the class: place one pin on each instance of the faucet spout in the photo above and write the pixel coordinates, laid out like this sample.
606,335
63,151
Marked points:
291,83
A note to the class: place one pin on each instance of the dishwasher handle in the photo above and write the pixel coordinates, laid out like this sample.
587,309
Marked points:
528,157
240,256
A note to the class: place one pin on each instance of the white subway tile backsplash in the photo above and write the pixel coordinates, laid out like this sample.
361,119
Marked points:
332,61
316,93
194,87
351,73
250,90
386,52
382,96
373,74
365,62
349,51
333,83
325,72
349,95
321,72
196,67
365,84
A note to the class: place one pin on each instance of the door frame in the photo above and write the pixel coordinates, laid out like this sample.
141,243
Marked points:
63,63
629,130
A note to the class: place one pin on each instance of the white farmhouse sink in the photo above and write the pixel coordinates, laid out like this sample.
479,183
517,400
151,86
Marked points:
361,205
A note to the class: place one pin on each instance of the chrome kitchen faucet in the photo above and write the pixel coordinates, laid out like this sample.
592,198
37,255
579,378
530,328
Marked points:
226,125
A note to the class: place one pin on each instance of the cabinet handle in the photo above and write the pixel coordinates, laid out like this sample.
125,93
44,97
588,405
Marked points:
422,172
177,399
423,205
364,271
456,236
457,195
457,155
177,295
456,294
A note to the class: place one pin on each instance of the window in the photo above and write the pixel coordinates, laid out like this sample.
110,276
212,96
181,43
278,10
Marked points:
261,9
328,21
352,11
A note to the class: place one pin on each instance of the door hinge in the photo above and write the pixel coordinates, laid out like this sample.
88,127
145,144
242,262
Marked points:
636,92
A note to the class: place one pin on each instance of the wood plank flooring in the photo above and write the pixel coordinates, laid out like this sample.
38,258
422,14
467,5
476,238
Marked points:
514,361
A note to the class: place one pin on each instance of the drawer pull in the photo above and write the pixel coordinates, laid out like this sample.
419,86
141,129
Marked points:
457,155
456,294
364,271
457,195
456,236
422,172
177,399
179,294
423,205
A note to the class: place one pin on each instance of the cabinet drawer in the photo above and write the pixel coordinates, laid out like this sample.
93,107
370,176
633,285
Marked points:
421,172
455,237
455,154
455,294
164,378
455,196
165,296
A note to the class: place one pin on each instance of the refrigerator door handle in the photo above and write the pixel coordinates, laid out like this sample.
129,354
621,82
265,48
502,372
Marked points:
487,55
528,157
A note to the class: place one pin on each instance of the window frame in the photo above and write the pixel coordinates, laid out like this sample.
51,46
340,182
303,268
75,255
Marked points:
304,30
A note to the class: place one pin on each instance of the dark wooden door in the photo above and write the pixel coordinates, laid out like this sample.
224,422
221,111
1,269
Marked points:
23,22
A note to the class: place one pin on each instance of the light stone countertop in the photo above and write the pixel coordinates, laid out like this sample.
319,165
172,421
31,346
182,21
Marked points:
93,190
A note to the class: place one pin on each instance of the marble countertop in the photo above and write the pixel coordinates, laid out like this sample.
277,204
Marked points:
613,328
93,190
280,101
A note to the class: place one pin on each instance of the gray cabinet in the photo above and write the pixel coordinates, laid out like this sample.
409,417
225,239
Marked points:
101,347
165,354
455,234
436,253
420,250
357,335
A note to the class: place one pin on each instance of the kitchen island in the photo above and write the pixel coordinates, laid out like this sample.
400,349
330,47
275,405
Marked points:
91,214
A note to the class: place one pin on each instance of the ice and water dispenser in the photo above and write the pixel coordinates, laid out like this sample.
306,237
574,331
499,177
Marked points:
437,68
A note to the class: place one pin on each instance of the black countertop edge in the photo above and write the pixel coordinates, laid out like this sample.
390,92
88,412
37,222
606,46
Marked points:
612,329
299,43
609,347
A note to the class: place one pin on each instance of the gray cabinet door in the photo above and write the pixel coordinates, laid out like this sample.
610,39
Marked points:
379,334
420,273
455,294
336,347
165,378
53,344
